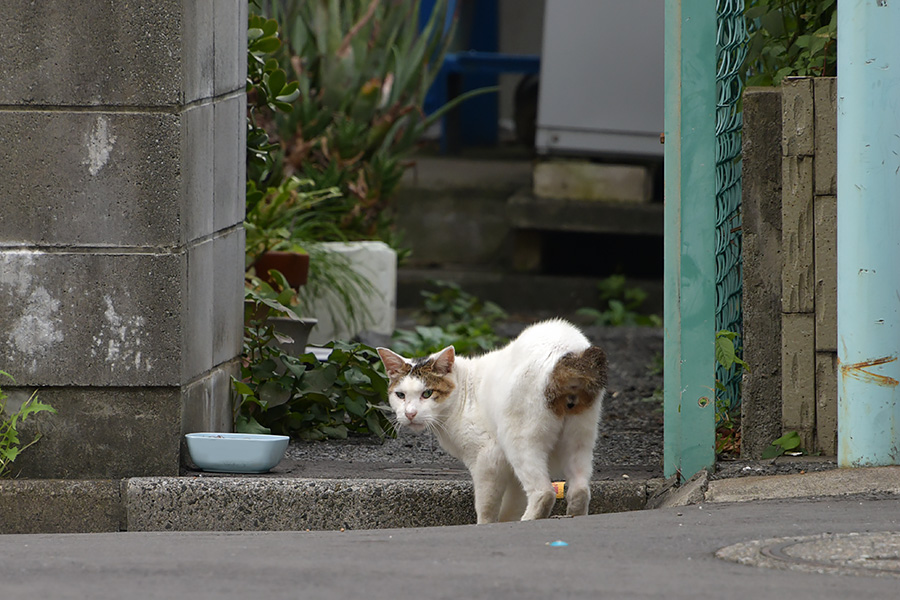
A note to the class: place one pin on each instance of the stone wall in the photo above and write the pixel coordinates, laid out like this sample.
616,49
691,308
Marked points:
122,134
790,265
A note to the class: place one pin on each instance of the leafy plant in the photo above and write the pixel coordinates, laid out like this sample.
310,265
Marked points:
363,67
790,37
291,213
726,353
728,427
285,217
789,443
621,305
451,316
657,399
10,444
267,87
303,396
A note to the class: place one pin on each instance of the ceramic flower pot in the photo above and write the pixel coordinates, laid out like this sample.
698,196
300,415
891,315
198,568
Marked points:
297,331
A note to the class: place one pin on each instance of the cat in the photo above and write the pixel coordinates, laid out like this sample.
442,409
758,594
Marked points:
514,416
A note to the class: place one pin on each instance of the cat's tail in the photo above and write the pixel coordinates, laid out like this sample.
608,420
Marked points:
577,381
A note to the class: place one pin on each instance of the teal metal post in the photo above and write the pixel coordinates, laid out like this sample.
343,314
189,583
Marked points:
868,240
690,224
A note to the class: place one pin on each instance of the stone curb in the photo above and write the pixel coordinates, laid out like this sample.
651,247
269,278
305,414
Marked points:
835,482
263,504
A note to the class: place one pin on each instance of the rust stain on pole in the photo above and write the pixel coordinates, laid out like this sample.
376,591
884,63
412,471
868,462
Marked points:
858,370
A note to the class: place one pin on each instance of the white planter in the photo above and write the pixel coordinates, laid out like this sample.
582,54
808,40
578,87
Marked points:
377,262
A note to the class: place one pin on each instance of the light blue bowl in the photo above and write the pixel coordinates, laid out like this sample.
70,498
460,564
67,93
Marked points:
236,452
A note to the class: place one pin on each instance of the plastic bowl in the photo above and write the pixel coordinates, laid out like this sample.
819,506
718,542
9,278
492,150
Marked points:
236,452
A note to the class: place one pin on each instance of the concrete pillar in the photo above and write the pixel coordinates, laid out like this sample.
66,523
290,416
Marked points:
122,139
761,221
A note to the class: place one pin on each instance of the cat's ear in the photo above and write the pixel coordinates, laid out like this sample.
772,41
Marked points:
443,361
394,364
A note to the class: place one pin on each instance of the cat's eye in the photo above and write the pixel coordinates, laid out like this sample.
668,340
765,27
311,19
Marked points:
400,395
427,393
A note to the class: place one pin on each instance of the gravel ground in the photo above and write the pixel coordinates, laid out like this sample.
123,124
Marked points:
631,429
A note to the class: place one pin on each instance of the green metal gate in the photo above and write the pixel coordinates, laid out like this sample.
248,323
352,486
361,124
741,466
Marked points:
731,47
704,52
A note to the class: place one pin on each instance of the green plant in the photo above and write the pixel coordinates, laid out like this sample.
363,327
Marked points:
291,213
657,399
728,427
267,87
303,396
363,68
285,217
451,316
727,353
10,444
790,37
657,365
621,305
789,443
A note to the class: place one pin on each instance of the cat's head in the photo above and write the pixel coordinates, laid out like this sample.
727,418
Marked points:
418,387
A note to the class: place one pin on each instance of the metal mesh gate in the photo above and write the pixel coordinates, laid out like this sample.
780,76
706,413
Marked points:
731,45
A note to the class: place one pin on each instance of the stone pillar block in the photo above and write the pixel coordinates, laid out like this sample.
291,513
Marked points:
797,230
826,403
761,218
798,387
798,111
826,272
825,91
123,131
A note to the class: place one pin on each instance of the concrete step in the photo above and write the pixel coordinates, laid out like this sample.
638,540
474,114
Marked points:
202,503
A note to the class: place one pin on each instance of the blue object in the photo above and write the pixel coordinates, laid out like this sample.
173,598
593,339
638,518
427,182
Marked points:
558,544
236,452
474,122
868,234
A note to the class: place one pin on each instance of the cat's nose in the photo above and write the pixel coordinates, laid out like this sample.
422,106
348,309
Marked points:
411,413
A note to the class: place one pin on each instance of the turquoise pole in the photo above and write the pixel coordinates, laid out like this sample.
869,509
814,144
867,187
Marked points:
690,223
868,241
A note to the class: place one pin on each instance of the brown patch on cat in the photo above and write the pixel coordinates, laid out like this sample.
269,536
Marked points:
434,377
575,382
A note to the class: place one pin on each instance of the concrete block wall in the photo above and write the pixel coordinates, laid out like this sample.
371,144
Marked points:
122,139
791,225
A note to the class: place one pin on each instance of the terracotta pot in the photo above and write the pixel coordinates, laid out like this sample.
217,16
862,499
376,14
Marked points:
293,265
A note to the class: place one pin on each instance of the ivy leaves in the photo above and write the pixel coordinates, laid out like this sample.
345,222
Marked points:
790,38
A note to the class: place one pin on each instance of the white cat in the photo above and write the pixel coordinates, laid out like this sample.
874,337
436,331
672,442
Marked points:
514,416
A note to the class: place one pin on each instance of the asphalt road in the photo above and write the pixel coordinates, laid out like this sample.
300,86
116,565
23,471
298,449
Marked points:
668,553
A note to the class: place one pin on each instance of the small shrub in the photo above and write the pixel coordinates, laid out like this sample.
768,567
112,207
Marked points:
790,37
10,444
620,305
303,396
451,317
728,422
